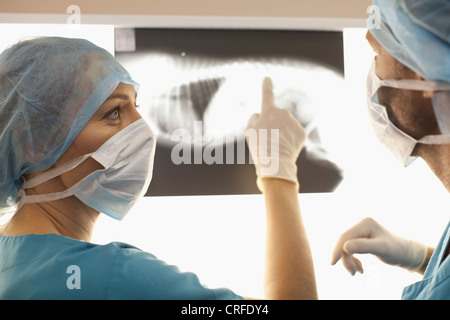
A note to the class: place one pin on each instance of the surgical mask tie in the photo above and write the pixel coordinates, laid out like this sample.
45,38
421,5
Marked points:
400,144
127,159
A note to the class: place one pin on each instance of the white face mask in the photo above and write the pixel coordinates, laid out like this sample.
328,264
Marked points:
397,141
127,158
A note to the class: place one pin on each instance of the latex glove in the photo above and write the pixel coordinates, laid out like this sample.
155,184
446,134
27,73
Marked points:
274,152
368,236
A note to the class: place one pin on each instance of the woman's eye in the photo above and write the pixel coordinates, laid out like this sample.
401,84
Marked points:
114,114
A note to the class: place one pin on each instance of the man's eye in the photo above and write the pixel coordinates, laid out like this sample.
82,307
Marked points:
114,114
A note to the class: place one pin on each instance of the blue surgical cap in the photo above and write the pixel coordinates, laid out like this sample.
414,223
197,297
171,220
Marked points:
417,33
49,88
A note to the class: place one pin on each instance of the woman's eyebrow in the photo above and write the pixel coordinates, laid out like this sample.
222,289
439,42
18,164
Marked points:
120,96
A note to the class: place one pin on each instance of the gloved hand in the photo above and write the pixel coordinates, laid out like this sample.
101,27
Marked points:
368,236
274,152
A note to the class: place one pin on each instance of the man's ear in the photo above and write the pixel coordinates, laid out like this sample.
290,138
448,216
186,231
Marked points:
428,93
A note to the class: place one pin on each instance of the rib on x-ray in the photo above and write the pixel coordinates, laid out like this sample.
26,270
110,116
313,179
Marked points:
209,100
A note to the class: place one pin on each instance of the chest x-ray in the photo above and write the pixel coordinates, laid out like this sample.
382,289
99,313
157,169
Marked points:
200,87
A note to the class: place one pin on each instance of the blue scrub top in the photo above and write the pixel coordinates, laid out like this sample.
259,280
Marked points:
57,267
436,280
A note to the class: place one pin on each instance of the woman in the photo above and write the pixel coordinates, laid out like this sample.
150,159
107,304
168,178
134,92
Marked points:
73,145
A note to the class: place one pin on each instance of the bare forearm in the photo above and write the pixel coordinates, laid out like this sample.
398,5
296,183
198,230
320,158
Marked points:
289,270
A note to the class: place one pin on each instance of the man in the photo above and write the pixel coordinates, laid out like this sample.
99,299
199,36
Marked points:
412,119
408,91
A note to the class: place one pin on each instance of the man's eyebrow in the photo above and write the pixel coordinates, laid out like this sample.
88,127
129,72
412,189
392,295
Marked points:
120,96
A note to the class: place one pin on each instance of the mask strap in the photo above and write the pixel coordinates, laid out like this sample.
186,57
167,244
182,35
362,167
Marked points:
44,177
37,198
420,85
50,174
435,139
407,84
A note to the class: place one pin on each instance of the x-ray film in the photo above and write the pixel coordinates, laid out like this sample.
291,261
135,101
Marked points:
200,87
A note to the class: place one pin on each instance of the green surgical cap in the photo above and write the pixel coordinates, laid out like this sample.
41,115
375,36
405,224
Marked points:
49,88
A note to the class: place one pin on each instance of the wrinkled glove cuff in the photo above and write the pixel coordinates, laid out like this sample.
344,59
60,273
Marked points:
418,256
286,170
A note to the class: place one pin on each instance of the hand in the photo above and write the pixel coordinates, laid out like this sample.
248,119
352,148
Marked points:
368,236
275,139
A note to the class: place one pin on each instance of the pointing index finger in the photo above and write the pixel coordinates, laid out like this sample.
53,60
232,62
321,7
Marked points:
267,95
